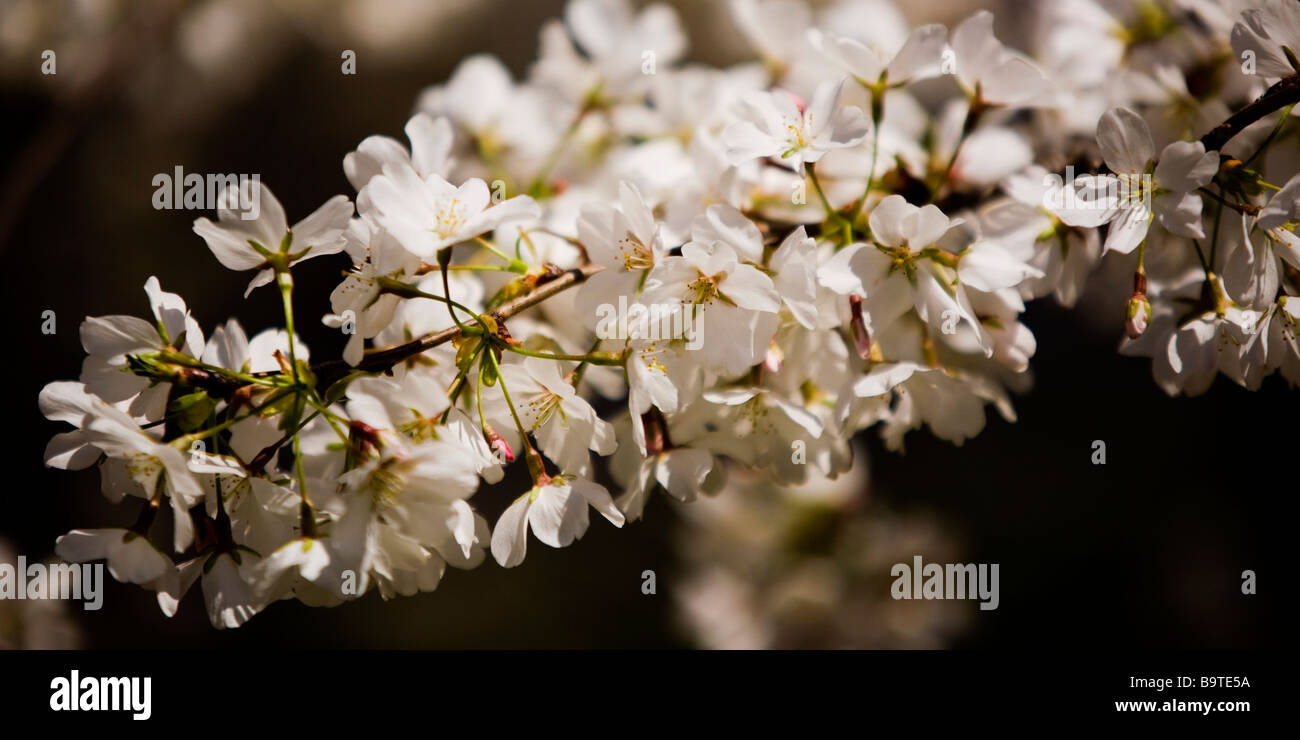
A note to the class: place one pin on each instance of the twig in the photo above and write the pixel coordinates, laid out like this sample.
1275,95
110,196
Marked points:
1286,92
384,359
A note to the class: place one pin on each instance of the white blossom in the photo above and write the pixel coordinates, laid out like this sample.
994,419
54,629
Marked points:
699,274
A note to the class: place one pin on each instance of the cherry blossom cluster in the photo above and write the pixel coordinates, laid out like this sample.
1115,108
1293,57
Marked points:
845,231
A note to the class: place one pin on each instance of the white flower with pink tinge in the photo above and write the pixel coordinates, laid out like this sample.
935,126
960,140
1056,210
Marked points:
251,226
776,125
556,512
429,213
1140,187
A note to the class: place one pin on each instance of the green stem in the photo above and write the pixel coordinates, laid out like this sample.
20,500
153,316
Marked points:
379,360
444,261
582,366
405,290
285,280
877,111
331,417
265,454
812,175
1200,254
535,466
834,220
1214,241
594,358
177,358
462,375
1277,128
205,433
553,158
478,268
478,395
306,513
1243,208
973,115
491,248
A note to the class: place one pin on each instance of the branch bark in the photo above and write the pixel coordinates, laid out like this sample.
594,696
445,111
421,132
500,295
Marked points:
1285,92
385,359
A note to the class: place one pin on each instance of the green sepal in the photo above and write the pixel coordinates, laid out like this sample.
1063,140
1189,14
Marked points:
191,410
489,374
507,293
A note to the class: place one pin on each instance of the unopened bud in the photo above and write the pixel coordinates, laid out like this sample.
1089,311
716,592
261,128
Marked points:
1138,315
798,101
774,358
283,362
861,339
243,396
367,438
656,432
500,448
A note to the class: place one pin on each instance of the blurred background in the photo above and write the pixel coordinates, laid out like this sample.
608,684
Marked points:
1144,551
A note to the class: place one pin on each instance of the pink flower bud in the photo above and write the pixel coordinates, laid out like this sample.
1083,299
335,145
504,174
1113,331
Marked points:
798,101
1138,316
500,448
774,358
861,339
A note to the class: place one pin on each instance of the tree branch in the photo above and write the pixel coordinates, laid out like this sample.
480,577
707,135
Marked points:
384,359
1285,92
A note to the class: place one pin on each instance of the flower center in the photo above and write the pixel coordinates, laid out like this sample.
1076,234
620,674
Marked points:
650,357
540,408
385,482
144,469
420,428
704,289
1135,188
796,137
634,254
751,418
449,217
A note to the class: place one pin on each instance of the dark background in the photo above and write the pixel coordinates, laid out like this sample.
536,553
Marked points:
1146,550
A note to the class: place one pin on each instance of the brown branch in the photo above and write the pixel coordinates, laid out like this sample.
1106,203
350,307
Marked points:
381,360
1285,92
